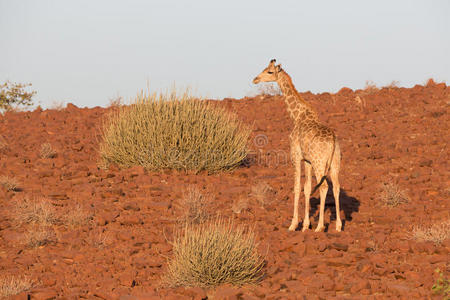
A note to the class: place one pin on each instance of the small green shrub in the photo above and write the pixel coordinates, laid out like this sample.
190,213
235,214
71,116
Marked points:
442,286
14,94
168,131
214,253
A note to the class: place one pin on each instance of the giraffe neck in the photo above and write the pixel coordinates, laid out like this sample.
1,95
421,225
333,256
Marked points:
298,108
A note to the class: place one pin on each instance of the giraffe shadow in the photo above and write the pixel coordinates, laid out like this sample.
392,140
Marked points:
348,204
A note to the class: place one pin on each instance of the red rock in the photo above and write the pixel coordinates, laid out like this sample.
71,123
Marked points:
127,279
195,293
400,289
360,285
322,246
227,292
434,259
129,220
338,246
44,294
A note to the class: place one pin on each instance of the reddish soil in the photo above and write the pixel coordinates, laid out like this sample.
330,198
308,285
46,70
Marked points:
397,135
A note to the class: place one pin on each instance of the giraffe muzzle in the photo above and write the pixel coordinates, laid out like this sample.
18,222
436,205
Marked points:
256,80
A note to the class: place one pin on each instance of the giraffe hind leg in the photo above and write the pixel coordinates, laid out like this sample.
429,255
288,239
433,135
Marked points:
334,175
323,189
307,192
298,170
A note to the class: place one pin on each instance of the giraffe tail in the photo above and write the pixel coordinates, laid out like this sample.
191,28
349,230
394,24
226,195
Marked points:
327,167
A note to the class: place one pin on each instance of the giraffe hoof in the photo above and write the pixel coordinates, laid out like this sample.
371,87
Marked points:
305,227
338,227
292,227
319,229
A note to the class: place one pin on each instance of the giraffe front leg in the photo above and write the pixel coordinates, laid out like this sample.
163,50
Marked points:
298,171
307,192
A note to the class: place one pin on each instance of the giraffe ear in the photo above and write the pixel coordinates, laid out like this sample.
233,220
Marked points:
279,68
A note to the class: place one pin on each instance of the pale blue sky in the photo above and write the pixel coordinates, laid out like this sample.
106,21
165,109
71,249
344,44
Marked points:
87,51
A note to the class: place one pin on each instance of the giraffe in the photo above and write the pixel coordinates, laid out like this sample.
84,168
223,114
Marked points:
311,142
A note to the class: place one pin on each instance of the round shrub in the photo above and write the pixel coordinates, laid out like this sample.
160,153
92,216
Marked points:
168,131
214,253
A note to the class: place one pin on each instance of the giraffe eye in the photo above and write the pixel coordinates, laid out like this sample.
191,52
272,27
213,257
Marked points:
269,72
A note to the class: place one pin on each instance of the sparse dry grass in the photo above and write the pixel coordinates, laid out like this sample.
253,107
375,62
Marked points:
214,253
370,88
116,101
436,233
194,204
47,151
392,195
261,192
393,84
9,183
239,205
168,131
58,105
39,212
13,285
99,239
77,217
38,236
268,89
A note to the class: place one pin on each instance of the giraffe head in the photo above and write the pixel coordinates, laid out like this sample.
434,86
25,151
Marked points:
269,74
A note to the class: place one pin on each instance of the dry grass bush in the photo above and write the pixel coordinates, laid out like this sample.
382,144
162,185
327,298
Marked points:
9,183
261,192
214,253
194,205
436,233
47,151
268,89
116,101
38,236
393,84
77,217
13,285
39,212
58,105
168,131
370,88
392,195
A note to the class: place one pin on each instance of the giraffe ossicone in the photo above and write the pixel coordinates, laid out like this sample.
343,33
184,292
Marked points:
311,142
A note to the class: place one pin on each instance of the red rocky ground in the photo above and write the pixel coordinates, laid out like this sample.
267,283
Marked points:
397,135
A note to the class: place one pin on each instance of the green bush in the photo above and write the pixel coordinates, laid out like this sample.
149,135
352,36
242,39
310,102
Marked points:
14,94
214,253
442,286
168,131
